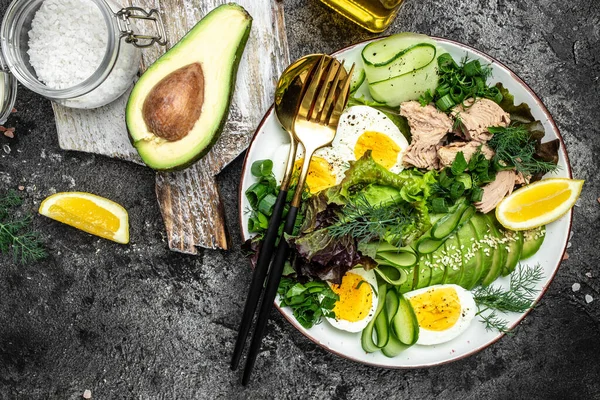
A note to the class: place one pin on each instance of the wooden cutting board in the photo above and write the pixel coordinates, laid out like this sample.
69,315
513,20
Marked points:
189,200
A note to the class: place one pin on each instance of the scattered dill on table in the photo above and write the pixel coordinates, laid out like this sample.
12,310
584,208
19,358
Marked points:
16,237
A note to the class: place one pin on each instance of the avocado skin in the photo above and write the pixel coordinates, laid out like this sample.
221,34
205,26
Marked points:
235,66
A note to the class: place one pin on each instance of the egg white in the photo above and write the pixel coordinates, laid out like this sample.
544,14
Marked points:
355,121
357,326
468,309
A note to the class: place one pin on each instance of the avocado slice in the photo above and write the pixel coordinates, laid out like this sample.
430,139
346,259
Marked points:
532,241
472,256
483,238
515,247
452,260
178,107
500,253
438,271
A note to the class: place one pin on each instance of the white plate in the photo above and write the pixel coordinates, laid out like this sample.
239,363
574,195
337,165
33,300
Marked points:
270,135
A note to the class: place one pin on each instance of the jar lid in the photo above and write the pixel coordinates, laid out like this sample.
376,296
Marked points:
8,91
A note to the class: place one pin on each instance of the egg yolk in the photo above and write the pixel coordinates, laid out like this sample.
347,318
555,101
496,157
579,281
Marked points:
320,174
437,309
356,298
383,149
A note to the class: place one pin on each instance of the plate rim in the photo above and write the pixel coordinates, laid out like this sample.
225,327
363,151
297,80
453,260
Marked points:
569,171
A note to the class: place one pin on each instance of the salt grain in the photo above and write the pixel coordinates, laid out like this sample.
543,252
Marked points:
87,394
67,43
588,298
576,287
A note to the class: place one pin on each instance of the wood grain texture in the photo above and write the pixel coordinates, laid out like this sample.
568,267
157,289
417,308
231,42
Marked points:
189,200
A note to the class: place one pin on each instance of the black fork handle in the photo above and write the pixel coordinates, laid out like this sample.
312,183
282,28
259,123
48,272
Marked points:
269,296
258,278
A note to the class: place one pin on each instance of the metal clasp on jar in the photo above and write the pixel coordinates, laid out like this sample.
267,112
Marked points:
124,17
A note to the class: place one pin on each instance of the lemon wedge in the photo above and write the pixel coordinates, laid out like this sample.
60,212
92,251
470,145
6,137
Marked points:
539,203
89,213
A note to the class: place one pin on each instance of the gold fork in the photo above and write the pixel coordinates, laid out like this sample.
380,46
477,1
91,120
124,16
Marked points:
315,124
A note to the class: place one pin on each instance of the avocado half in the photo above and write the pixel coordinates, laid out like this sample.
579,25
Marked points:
178,107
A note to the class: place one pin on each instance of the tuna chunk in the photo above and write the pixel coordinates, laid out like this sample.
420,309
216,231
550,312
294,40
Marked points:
495,191
447,154
479,115
428,127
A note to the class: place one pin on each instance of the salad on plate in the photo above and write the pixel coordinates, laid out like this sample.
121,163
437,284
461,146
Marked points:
400,246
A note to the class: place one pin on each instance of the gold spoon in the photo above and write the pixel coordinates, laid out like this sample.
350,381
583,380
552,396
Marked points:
288,95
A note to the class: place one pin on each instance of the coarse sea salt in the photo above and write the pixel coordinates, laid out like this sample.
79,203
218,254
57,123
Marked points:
68,40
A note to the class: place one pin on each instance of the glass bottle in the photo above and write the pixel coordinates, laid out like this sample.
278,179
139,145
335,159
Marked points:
373,15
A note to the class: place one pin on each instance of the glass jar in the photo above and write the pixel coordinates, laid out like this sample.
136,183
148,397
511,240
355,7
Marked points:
117,67
373,15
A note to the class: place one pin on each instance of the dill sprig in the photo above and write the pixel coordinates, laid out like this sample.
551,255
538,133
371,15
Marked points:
515,148
366,222
519,297
24,244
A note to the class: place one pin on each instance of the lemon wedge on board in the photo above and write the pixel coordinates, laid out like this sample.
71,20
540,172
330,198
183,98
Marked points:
538,203
89,213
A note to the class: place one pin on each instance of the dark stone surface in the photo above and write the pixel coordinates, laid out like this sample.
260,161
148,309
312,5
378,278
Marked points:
140,322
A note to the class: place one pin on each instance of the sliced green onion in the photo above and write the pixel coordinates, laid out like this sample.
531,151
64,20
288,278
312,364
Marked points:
472,68
494,94
255,193
443,89
445,103
457,94
266,205
261,168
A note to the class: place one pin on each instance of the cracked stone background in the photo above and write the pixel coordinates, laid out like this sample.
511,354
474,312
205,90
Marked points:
141,322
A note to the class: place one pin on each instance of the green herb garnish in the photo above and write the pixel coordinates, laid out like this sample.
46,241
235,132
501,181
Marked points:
514,147
519,297
15,237
309,302
366,222
460,82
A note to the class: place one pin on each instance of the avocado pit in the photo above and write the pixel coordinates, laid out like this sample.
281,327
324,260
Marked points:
174,104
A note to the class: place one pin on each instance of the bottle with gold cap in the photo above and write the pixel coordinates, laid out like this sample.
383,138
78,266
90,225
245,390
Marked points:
373,15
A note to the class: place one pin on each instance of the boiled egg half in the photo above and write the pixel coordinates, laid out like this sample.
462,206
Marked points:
357,300
361,128
443,312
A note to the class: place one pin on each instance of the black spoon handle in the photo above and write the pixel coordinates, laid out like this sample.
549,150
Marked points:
258,279
269,296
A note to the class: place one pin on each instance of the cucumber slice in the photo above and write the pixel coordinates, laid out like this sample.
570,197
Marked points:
394,346
427,245
483,239
405,257
500,253
404,324
391,273
472,258
366,339
532,241
358,77
408,59
452,260
386,50
409,86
